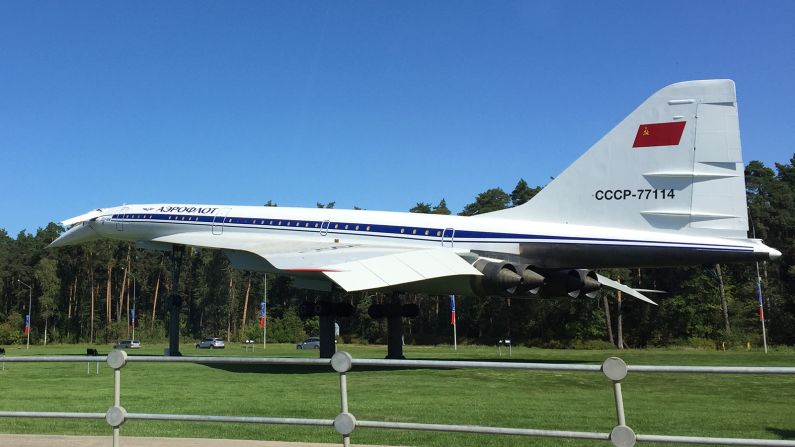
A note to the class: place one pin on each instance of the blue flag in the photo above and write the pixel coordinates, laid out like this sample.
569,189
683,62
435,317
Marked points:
452,309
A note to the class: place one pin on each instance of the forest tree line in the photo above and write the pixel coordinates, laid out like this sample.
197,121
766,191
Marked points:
85,293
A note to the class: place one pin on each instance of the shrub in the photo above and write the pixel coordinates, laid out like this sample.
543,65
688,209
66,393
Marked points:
11,330
251,331
287,329
150,331
116,330
312,325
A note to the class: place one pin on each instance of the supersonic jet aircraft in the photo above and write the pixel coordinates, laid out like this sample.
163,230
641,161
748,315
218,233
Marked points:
665,187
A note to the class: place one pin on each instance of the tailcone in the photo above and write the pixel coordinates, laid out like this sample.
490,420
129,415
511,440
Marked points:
773,253
765,253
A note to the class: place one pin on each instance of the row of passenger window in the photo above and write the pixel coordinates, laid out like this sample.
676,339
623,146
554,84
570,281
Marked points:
132,216
280,223
335,226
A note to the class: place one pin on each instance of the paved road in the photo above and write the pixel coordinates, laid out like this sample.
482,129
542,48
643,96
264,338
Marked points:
131,441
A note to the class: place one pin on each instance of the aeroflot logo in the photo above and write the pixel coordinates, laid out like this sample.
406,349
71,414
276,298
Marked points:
186,209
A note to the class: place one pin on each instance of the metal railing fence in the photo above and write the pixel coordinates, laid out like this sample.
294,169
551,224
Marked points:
344,423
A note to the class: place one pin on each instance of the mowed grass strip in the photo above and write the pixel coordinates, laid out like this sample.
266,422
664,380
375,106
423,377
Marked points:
681,404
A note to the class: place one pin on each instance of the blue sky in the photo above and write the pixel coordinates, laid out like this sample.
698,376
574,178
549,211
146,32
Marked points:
373,104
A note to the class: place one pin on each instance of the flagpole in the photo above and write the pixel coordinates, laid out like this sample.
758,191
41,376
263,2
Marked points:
453,320
759,287
133,308
761,308
455,339
265,315
30,304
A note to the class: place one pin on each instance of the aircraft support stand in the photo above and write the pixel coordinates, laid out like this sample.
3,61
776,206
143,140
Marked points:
327,345
394,327
175,301
327,338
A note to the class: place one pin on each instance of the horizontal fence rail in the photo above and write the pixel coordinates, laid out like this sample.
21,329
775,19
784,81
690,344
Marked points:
233,419
713,369
467,364
345,423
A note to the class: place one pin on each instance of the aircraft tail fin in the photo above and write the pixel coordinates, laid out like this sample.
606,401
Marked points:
674,164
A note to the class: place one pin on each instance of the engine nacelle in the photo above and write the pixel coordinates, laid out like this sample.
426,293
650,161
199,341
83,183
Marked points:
531,281
574,283
499,278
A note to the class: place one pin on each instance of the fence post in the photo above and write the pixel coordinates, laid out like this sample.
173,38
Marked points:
116,414
621,436
344,423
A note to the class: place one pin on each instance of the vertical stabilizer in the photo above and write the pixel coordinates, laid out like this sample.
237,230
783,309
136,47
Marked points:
674,164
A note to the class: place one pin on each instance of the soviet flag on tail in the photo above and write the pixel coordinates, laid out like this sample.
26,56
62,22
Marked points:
659,134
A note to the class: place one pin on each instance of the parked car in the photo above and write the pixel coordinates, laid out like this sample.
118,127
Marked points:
128,344
211,343
309,343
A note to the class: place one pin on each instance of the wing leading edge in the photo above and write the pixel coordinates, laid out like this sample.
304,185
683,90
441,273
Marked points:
353,267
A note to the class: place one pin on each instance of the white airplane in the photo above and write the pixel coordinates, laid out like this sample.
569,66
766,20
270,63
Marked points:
665,187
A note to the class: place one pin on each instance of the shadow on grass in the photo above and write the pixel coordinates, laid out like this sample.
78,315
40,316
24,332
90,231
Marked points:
512,360
318,369
782,433
298,369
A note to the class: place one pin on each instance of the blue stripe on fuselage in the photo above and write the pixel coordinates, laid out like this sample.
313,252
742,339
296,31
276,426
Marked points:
399,232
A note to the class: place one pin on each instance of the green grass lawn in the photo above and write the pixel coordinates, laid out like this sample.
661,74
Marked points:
681,404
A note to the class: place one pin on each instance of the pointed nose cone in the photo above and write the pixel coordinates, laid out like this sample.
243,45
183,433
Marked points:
78,234
773,253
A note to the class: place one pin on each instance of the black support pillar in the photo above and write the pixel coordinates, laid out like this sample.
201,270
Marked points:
394,327
327,339
325,309
175,301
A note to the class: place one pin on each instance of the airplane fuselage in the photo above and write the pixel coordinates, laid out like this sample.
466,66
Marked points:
543,245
